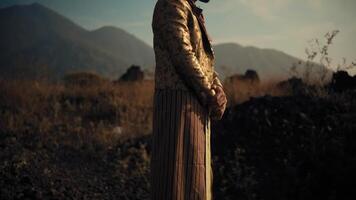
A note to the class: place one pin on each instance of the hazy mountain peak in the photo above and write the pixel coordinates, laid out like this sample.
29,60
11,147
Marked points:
234,58
110,29
229,45
34,7
37,5
37,40
234,45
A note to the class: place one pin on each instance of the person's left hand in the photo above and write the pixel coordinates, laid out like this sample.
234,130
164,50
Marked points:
217,105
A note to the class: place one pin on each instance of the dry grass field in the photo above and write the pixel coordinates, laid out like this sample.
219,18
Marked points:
89,138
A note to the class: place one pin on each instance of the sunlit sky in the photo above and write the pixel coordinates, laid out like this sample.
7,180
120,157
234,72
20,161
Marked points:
286,25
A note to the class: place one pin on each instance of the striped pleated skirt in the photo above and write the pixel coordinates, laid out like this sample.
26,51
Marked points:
181,156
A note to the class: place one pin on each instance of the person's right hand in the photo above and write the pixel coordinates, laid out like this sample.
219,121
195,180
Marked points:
217,104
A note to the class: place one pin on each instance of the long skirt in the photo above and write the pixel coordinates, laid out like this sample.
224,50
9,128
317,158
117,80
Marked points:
181,156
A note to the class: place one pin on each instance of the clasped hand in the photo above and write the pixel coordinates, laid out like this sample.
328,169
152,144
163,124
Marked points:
217,103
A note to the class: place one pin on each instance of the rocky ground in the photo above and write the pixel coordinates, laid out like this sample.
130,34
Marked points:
297,147
31,169
292,147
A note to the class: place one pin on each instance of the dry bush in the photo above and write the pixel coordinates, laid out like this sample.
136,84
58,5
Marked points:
319,65
84,79
238,91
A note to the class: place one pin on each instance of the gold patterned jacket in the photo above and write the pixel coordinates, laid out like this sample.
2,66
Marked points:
184,58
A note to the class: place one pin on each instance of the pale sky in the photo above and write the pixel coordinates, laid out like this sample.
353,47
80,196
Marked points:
285,25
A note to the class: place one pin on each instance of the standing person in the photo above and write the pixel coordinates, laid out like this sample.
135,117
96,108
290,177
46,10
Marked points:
188,94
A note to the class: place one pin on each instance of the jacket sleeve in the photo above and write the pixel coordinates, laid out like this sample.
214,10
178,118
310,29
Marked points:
216,80
177,40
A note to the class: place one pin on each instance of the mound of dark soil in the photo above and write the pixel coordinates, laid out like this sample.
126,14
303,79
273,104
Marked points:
296,147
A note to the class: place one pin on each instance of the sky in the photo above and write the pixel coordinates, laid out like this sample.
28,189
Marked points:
285,25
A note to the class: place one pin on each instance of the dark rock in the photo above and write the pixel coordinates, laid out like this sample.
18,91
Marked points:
294,86
342,81
250,76
134,73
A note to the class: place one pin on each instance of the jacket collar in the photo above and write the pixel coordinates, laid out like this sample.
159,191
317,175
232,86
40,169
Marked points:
198,12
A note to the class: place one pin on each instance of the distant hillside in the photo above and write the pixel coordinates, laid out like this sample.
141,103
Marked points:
37,41
233,58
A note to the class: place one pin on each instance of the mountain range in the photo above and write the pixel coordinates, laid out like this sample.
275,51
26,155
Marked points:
233,58
36,41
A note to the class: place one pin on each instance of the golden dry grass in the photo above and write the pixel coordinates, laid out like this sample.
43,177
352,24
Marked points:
239,91
106,110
